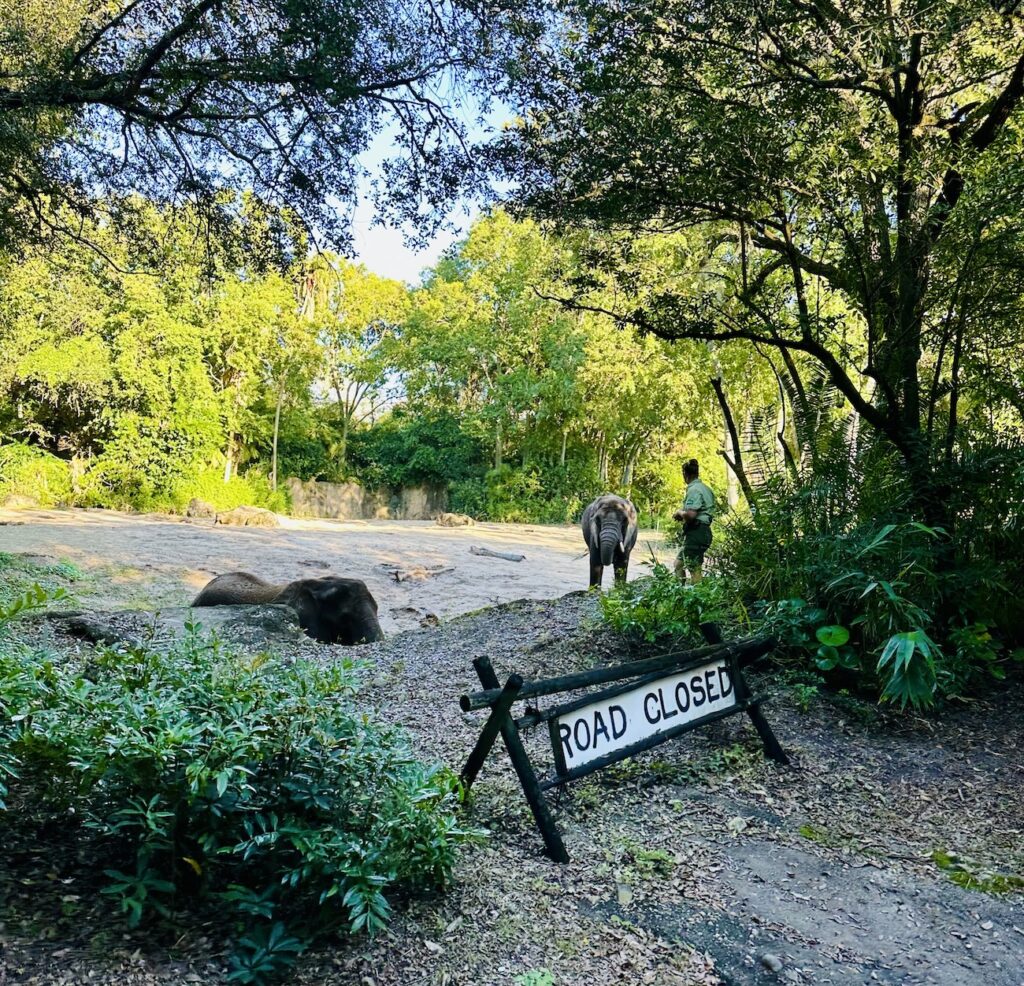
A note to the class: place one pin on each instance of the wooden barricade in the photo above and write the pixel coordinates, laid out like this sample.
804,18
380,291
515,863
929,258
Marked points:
647,703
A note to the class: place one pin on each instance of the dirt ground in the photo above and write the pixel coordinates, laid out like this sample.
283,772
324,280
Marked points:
149,562
698,862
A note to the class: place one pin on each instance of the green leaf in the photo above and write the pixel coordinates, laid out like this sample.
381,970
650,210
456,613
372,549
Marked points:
833,636
827,657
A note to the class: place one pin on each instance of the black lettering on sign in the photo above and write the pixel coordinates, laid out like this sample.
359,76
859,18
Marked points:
618,731
599,727
725,681
682,696
581,744
665,714
647,712
709,682
564,732
697,687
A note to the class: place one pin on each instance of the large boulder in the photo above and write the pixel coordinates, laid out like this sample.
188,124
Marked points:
248,517
200,510
454,520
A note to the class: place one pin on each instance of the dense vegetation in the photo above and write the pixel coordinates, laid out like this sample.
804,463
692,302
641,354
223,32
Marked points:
784,237
143,381
832,298
845,184
195,776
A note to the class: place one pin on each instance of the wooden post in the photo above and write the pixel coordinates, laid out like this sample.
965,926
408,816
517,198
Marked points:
745,650
499,712
524,769
772,748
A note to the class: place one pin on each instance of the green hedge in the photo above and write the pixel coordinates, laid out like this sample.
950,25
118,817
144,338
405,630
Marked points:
31,472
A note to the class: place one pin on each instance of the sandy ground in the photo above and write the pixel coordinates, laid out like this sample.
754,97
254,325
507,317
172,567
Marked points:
147,562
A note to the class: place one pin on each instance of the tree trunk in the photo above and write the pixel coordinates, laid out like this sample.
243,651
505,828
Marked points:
732,486
229,458
277,430
736,462
343,451
627,471
565,439
499,448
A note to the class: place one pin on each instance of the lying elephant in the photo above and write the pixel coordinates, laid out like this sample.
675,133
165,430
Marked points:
609,528
331,609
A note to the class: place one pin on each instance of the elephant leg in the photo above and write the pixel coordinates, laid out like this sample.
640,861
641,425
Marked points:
596,574
621,564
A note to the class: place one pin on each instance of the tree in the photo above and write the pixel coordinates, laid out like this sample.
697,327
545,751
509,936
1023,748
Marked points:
480,339
181,100
357,315
853,157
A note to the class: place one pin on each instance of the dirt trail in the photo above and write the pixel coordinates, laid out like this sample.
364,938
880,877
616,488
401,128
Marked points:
157,561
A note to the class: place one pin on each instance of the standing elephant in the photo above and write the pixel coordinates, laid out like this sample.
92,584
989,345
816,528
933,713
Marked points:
610,529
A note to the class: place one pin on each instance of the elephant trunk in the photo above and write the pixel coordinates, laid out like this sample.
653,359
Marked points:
611,535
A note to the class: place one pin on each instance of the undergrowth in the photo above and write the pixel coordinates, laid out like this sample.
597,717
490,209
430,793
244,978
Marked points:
200,776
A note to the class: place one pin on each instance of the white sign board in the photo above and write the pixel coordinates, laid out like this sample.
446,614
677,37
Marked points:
612,724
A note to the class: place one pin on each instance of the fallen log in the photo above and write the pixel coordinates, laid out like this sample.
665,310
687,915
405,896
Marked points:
419,573
487,553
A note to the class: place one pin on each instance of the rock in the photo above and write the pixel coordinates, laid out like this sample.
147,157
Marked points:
200,509
771,962
454,520
248,517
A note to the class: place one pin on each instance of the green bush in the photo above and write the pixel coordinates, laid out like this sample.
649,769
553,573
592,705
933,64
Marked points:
252,783
931,613
551,495
663,607
406,450
469,496
249,490
29,471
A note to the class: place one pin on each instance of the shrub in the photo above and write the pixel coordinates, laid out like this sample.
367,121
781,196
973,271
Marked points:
930,612
29,471
406,450
249,490
469,496
663,607
248,782
552,495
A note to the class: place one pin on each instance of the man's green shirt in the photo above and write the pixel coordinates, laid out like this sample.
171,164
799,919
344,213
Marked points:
700,498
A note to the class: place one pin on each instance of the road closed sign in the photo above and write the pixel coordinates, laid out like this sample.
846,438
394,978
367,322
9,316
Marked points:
631,719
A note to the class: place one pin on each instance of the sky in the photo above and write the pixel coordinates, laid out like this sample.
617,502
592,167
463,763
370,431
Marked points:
382,249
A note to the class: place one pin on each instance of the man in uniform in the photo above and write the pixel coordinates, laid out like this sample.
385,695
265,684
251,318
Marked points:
696,514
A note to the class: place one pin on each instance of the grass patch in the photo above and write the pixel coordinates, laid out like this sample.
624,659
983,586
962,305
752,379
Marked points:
972,876
19,575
